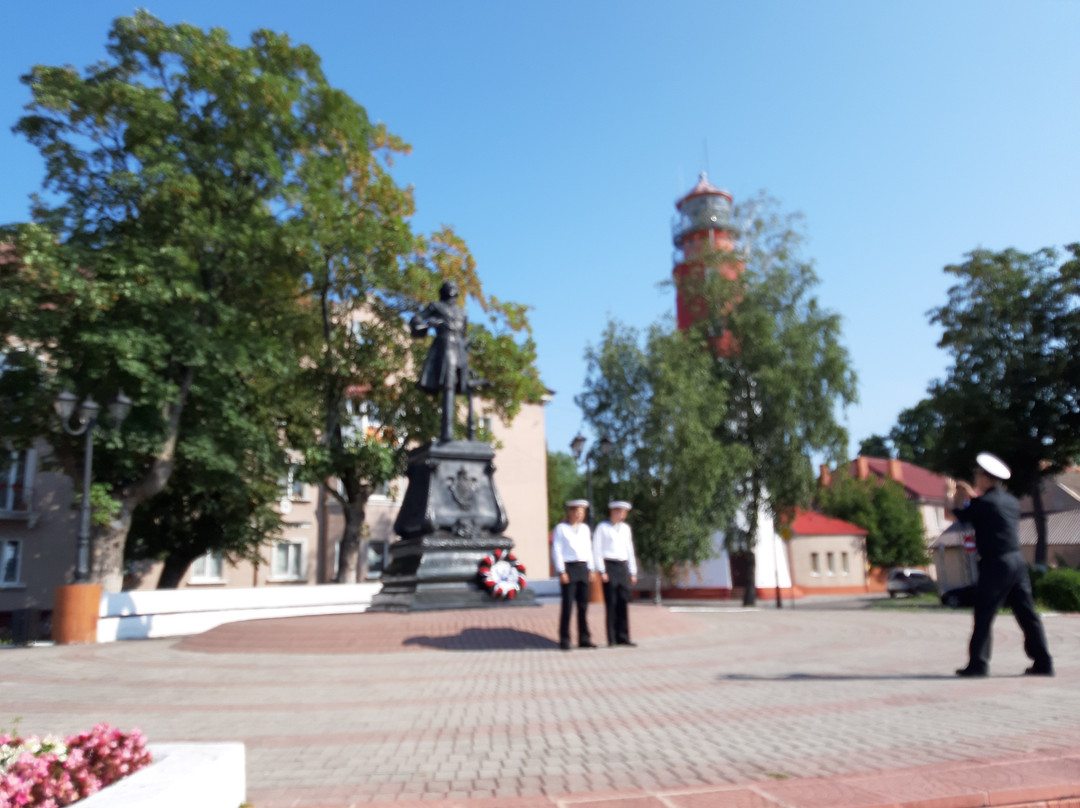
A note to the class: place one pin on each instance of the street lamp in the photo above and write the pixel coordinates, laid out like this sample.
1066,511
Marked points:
87,418
577,446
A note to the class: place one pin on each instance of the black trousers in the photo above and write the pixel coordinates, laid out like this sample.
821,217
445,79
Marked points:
617,598
1005,580
577,591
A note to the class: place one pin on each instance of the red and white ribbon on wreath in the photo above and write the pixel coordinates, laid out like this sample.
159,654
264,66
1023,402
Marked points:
502,575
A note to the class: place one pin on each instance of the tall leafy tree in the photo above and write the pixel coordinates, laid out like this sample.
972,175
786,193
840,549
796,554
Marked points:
177,241
662,404
916,435
875,446
786,371
564,482
158,249
365,271
1011,325
227,477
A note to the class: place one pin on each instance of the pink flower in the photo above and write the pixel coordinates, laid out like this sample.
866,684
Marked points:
46,774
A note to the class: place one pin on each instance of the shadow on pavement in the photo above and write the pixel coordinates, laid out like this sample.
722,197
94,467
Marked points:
837,677
486,639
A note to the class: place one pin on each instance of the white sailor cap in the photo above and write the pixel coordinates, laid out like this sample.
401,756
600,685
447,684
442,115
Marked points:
619,503
993,465
577,503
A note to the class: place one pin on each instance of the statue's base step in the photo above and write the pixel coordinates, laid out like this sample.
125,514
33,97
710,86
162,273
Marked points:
441,571
435,597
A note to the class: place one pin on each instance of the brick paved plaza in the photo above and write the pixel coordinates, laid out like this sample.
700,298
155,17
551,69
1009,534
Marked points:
815,706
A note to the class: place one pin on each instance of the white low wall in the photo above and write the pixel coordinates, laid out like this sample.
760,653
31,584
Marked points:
177,612
207,775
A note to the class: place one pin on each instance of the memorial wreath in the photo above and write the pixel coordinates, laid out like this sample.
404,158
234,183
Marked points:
502,575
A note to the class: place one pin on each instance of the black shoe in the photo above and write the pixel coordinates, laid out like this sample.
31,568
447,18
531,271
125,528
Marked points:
1045,669
628,644
970,671
588,645
565,646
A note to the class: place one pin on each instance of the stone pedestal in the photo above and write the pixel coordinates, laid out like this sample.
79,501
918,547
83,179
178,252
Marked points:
451,517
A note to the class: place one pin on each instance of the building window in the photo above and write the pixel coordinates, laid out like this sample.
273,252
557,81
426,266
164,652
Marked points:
815,564
13,479
377,552
294,487
10,561
209,568
844,567
288,561
830,560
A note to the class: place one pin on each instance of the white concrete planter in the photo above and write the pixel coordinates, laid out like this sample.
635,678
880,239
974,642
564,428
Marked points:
178,612
207,775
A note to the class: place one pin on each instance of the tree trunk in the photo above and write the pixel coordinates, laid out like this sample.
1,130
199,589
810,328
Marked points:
349,554
107,552
1040,524
173,571
107,548
750,595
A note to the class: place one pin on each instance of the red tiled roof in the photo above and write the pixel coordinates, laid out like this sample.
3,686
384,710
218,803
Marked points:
919,483
811,523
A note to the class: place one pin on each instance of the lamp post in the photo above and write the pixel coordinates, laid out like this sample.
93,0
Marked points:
577,446
87,419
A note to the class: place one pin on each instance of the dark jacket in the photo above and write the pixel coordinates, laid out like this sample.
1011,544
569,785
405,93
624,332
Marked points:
995,516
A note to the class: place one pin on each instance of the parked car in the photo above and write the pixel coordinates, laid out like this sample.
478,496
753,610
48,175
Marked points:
906,581
959,597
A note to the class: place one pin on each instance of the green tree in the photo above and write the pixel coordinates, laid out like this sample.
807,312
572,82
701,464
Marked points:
564,482
366,272
916,435
166,244
1011,325
662,405
894,526
786,371
875,446
227,476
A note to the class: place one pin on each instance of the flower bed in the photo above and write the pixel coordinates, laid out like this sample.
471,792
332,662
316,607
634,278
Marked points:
49,773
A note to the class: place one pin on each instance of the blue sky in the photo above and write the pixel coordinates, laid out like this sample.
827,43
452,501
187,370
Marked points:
555,137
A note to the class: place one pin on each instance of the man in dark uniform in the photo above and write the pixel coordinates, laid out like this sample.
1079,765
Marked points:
1003,572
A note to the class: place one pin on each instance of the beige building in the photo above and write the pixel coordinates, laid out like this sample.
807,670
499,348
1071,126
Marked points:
38,525
827,556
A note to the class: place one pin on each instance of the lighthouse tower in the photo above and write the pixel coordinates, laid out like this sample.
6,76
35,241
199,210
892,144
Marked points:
702,227
701,230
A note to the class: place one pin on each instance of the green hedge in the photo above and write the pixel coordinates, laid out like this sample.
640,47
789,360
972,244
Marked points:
1059,589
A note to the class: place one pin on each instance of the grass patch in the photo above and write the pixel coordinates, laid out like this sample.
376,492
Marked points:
928,602
925,600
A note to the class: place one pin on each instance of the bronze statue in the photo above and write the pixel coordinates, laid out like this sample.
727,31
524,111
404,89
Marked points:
452,519
446,368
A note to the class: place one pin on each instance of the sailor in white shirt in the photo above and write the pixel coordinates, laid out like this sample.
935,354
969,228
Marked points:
613,547
571,553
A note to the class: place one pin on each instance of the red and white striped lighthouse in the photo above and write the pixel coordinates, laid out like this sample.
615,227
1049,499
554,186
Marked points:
702,227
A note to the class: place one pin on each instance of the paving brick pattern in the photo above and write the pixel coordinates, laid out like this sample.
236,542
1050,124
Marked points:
803,707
